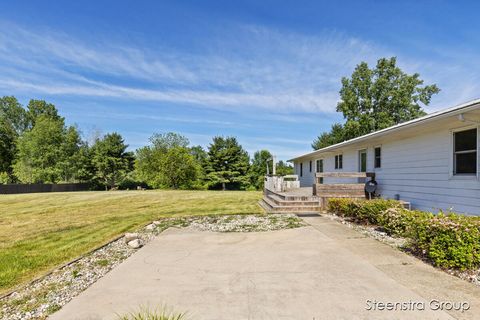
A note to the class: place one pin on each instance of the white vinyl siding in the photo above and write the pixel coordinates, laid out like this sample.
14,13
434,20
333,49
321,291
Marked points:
419,169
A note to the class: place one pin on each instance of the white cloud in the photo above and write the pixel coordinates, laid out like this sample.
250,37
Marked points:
260,68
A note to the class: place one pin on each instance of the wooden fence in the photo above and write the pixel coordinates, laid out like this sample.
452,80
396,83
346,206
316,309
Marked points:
36,188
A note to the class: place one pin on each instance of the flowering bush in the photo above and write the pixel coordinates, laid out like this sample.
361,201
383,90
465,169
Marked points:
361,210
448,240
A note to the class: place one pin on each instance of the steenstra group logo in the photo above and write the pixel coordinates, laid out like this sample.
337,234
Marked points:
411,305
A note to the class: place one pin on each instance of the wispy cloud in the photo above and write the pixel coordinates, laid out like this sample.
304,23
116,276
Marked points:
261,68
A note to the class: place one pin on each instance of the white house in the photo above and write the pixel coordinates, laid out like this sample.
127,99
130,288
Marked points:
431,162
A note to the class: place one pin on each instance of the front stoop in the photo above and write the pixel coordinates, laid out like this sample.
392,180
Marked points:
278,203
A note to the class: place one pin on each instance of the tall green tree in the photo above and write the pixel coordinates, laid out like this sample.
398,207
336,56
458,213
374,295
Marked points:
227,163
374,99
167,162
258,168
75,163
39,151
284,168
13,122
37,108
111,160
166,141
201,157
178,168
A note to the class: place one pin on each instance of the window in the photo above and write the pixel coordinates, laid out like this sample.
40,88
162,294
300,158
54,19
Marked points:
301,169
320,165
320,169
339,161
465,152
310,165
378,157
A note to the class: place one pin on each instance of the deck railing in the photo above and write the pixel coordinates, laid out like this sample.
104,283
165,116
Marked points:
354,190
281,183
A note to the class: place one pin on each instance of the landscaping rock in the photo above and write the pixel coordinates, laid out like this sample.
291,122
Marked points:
157,223
135,244
151,227
130,236
247,223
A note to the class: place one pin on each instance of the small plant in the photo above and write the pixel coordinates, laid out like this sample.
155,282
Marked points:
75,273
53,308
103,262
146,313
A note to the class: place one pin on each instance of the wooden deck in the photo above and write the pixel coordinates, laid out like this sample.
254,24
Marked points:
315,199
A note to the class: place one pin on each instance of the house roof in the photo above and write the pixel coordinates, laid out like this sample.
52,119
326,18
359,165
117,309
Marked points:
474,104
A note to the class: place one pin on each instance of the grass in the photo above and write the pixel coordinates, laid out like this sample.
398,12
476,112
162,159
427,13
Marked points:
146,313
41,231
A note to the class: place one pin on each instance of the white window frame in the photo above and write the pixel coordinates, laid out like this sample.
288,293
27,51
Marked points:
316,164
316,167
451,154
365,149
375,157
335,161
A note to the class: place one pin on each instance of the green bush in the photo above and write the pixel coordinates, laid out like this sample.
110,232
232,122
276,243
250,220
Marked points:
361,210
399,221
449,241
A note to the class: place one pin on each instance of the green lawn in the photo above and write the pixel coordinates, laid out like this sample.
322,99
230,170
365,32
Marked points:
41,231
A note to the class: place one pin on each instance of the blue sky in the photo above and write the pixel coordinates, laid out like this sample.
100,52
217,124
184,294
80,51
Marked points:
267,72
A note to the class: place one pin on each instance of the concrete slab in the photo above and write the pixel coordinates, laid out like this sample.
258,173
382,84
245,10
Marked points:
290,274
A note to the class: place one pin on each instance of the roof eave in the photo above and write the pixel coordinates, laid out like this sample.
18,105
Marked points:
430,117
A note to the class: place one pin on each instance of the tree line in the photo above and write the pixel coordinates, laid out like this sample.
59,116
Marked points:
36,146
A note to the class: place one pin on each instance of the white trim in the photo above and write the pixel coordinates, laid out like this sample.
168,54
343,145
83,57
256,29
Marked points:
451,175
472,105
335,161
316,164
365,150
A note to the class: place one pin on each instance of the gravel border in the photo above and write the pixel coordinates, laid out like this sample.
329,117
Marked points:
472,276
49,293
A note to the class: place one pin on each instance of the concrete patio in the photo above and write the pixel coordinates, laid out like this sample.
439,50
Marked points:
322,271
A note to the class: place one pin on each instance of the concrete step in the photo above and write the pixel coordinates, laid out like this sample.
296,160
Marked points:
271,206
292,197
282,202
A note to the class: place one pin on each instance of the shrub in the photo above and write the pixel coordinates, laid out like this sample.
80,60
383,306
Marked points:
370,211
343,206
361,210
399,221
449,241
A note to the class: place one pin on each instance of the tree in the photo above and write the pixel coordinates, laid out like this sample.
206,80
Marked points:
12,124
166,141
111,160
167,162
200,156
36,108
39,151
374,99
75,163
258,168
326,139
178,168
227,163
284,168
